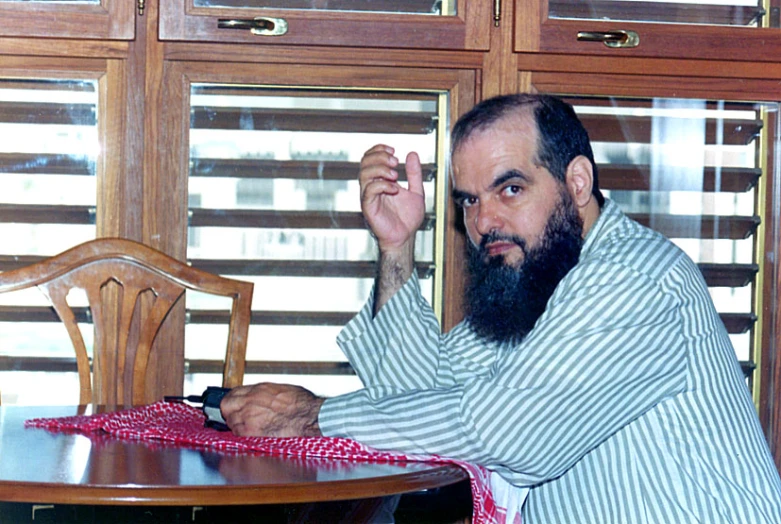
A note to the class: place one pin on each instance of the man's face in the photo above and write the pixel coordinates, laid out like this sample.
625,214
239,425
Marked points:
524,228
503,302
501,190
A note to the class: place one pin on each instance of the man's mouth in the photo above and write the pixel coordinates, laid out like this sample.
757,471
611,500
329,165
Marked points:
499,248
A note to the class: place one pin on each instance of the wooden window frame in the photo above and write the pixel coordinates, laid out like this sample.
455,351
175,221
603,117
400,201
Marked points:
168,213
181,20
536,32
109,19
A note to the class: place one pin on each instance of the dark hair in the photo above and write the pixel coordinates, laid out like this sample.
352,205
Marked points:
562,136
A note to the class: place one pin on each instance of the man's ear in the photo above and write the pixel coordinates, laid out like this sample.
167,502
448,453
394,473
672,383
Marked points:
580,180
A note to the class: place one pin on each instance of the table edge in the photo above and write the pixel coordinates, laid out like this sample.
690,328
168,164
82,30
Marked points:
439,475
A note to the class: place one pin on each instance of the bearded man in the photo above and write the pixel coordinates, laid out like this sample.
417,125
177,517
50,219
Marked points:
592,370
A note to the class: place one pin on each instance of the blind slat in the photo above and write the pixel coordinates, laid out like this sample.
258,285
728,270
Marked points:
47,364
254,218
700,226
728,275
39,314
735,323
275,318
54,164
738,323
716,275
47,113
300,268
343,121
273,367
293,169
68,365
638,129
627,177
36,214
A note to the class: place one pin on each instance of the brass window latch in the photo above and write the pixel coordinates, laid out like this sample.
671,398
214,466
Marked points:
261,26
611,38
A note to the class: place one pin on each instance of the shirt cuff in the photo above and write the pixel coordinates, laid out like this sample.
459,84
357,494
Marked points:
399,306
330,419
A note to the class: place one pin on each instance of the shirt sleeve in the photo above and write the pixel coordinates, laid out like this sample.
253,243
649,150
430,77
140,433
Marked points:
607,349
399,348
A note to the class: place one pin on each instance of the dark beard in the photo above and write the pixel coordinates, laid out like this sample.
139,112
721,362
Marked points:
504,302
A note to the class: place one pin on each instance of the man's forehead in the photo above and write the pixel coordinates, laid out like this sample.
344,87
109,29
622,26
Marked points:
518,126
514,138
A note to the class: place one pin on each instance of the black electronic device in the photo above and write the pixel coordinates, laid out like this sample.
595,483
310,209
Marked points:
210,403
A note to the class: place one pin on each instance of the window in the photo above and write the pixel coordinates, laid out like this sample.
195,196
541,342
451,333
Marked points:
276,170
429,7
748,13
695,171
48,164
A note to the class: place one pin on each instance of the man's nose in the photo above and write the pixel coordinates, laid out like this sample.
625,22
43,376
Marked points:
487,219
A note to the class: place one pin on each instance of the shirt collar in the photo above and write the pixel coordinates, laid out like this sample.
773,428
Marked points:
609,215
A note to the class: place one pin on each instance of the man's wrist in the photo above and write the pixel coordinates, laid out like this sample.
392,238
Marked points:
393,270
312,428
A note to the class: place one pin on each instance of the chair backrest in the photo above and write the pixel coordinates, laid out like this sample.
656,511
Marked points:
128,284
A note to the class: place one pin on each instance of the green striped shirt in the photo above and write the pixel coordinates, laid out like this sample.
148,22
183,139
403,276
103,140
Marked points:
624,404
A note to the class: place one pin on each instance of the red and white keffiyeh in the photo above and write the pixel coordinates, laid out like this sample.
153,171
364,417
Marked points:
184,424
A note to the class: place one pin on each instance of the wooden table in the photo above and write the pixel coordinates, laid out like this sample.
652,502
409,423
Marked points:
58,468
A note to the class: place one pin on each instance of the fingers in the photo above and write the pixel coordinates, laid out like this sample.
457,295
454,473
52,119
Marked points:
379,171
378,163
240,408
414,173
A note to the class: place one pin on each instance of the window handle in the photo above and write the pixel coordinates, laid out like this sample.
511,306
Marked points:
611,38
261,26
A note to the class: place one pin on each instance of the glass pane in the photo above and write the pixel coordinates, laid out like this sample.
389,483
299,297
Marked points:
423,7
691,169
274,199
48,168
746,13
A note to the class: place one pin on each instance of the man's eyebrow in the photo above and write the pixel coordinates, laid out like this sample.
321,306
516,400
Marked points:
460,196
512,174
507,176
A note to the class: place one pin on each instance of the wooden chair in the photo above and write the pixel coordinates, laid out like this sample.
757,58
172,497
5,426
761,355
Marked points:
116,274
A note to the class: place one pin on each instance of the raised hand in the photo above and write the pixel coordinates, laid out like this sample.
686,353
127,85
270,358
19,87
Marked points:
394,213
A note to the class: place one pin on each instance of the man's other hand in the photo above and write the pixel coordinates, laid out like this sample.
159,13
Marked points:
272,410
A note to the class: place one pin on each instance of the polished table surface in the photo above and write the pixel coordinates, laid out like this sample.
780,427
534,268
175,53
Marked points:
40,466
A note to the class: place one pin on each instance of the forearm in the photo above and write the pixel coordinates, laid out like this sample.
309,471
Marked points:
400,347
394,268
415,422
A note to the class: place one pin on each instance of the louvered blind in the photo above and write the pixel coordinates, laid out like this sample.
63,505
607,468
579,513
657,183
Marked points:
691,169
274,199
48,169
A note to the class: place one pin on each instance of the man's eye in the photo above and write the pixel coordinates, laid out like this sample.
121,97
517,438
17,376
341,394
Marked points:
512,190
468,202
